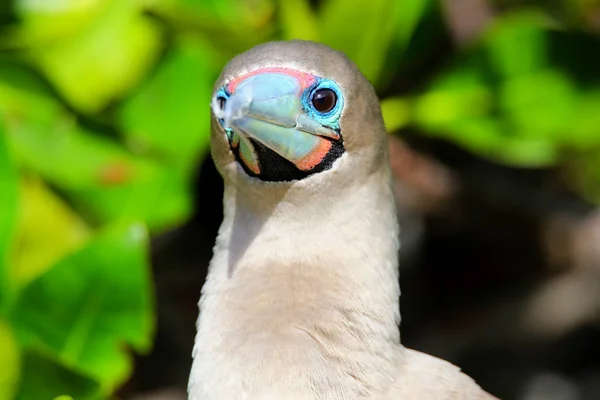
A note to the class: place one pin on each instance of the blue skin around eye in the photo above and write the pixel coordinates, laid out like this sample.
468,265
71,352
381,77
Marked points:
223,93
330,119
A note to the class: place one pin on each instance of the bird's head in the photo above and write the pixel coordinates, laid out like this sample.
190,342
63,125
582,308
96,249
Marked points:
294,111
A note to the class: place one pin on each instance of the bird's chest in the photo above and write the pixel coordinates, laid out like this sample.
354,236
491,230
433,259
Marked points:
276,354
286,341
286,365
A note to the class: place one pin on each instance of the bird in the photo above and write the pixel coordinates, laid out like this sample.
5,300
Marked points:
301,300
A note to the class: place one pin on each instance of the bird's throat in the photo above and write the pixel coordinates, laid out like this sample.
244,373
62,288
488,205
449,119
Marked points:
261,162
295,283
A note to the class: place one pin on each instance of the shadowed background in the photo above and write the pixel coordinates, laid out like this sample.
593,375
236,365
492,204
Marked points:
109,203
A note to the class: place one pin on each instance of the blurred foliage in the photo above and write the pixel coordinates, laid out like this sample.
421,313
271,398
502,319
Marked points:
104,119
577,14
519,97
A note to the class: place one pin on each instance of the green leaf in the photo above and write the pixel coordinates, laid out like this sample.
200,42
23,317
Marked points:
298,20
457,95
8,211
74,158
161,198
104,180
24,100
239,13
105,60
47,231
44,377
169,114
489,138
510,99
541,104
230,26
396,113
518,44
10,359
42,23
90,304
366,30
585,121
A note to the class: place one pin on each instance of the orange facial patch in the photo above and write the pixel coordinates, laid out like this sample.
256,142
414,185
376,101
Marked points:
315,157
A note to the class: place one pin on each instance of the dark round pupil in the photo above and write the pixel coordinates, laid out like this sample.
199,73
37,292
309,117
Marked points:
222,102
324,100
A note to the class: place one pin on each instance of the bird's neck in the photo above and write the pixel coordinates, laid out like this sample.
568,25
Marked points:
343,238
315,271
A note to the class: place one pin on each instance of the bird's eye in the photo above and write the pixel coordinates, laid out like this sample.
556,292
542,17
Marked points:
221,102
324,100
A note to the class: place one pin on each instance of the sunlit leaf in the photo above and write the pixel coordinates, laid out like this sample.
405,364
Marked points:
10,359
105,59
24,99
461,107
231,26
105,180
90,304
396,113
44,22
585,122
8,211
242,13
494,140
44,377
298,21
541,104
366,30
518,45
162,198
460,94
48,230
73,157
169,114
514,98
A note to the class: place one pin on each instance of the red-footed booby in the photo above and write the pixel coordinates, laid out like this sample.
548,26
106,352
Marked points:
302,300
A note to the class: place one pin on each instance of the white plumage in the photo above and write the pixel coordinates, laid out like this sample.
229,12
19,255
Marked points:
302,297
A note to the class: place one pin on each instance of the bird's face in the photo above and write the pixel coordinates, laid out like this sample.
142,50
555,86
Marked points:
281,124
295,114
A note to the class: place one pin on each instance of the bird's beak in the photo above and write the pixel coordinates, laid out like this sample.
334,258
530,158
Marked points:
267,108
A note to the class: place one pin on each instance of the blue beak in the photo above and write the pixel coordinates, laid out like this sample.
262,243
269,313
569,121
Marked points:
267,108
